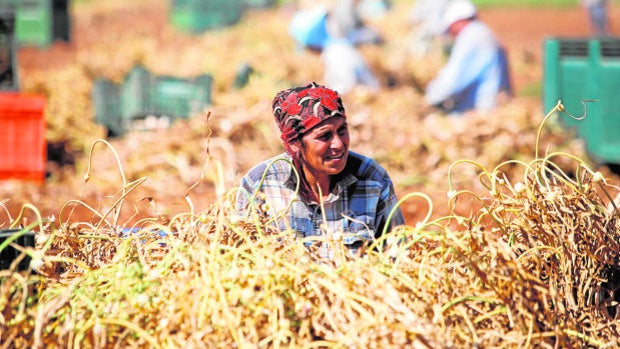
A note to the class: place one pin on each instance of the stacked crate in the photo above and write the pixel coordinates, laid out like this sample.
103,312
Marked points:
199,15
39,22
141,95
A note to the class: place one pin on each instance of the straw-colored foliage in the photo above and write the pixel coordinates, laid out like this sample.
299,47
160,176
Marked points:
535,266
522,253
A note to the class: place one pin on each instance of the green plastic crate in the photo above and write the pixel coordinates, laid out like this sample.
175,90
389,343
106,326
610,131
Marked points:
260,3
39,22
200,15
106,101
179,98
134,94
586,69
142,94
33,22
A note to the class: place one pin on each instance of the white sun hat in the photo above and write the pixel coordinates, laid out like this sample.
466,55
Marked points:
456,11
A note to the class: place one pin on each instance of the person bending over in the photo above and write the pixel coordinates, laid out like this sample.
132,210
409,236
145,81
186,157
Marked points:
477,75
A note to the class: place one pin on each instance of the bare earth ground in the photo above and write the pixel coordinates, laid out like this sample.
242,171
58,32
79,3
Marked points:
522,30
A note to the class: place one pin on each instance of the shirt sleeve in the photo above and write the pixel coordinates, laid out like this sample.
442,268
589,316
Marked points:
388,203
247,189
242,200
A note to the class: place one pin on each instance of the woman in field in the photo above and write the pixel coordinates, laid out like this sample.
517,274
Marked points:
318,186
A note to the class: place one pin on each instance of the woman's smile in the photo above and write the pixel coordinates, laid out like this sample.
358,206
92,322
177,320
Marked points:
325,148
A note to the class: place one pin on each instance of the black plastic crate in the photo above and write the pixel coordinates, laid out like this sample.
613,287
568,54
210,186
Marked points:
9,253
8,61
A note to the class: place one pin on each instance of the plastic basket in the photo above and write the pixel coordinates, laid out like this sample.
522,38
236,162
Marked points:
143,95
106,101
61,20
200,15
8,73
134,94
9,254
33,22
179,98
260,3
584,73
22,137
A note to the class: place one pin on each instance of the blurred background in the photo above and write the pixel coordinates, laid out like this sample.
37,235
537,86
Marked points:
181,93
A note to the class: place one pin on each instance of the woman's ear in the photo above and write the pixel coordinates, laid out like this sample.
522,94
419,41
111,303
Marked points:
295,146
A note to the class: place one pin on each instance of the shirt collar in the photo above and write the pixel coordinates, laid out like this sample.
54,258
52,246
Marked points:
343,180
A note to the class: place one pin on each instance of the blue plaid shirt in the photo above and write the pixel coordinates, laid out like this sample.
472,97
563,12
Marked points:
358,206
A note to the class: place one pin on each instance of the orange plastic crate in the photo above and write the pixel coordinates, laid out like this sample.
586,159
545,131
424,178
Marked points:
22,137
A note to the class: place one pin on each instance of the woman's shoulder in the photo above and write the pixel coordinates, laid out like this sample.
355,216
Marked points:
365,167
278,167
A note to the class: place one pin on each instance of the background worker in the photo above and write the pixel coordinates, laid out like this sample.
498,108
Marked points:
340,191
335,32
344,67
597,14
426,21
345,20
476,74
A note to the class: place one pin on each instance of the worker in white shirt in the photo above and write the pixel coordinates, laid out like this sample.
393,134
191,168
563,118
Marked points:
477,72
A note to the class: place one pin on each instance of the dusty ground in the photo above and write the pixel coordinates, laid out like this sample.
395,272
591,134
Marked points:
523,31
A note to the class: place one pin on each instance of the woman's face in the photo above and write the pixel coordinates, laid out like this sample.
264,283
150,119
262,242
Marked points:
325,148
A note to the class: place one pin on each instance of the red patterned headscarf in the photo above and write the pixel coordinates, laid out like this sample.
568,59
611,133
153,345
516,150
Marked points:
297,110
